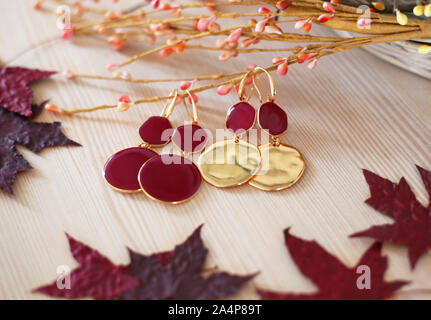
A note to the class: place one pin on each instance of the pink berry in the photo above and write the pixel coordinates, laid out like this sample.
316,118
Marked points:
282,69
111,66
185,85
327,6
224,89
283,4
235,35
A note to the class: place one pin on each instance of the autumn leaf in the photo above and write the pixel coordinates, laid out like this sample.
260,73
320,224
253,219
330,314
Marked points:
167,275
16,129
412,220
179,277
15,94
334,280
95,276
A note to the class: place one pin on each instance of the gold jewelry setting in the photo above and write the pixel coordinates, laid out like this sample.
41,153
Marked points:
229,163
282,166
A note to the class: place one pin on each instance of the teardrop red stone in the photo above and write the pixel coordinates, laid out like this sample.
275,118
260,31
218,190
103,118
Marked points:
240,117
170,178
156,131
272,118
121,170
190,138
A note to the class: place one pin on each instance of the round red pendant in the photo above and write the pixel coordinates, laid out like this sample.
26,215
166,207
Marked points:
170,178
240,117
156,131
190,138
121,170
272,118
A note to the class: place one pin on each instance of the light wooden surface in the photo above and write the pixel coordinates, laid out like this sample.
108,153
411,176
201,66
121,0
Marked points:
353,111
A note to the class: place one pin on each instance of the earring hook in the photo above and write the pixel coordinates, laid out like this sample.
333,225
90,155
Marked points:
169,106
194,107
241,90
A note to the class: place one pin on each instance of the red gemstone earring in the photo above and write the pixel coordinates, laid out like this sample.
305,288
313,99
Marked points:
170,177
282,165
121,170
233,162
190,137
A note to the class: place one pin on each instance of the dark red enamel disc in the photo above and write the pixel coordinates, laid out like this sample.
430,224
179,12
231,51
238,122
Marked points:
272,118
156,131
240,117
121,170
190,138
170,178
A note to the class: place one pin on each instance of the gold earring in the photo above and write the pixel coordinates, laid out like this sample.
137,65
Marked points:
233,162
282,165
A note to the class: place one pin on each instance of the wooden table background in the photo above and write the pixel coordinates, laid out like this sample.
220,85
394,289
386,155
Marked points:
353,111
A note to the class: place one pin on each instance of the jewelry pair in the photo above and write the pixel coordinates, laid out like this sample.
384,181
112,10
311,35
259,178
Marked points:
168,177
273,166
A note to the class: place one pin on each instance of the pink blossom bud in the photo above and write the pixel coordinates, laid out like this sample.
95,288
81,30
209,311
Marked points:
67,74
235,35
251,66
125,75
283,4
195,98
247,42
213,27
249,80
307,26
66,34
260,26
51,108
124,98
312,64
111,66
185,85
282,69
224,89
364,22
328,7
273,29
204,22
300,24
123,106
155,3
264,10
277,60
325,17
225,55
220,43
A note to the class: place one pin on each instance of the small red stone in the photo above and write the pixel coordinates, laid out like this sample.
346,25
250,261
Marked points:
272,118
170,178
156,131
240,117
121,170
190,138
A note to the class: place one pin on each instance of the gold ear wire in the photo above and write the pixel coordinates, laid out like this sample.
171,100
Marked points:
273,92
241,90
169,107
194,107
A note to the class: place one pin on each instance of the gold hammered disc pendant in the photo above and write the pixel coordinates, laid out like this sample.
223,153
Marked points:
229,163
282,167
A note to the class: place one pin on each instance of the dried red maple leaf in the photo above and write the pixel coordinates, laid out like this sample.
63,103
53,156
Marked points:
16,129
15,94
178,275
412,226
167,275
95,276
332,277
